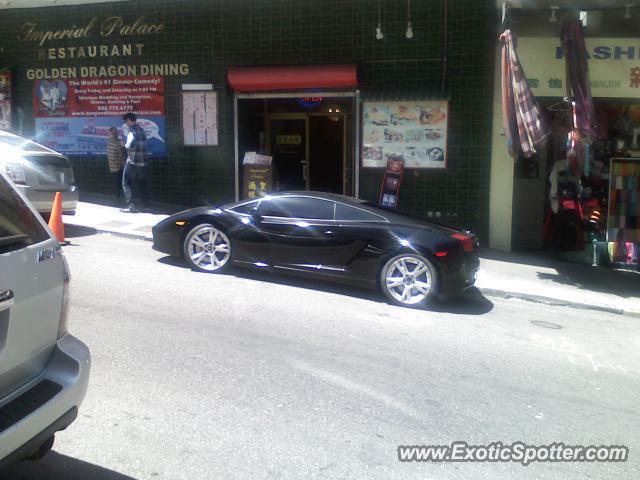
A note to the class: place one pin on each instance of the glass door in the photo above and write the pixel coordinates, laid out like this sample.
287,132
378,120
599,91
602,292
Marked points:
289,146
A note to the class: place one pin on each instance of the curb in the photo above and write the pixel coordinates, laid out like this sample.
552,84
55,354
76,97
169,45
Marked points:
554,302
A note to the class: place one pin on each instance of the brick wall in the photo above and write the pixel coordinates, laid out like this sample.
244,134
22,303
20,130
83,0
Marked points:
212,35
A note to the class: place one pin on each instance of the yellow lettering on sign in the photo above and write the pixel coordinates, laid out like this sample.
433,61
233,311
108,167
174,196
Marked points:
289,139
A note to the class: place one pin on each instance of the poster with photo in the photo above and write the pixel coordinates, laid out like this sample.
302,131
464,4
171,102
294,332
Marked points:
414,131
73,116
5,100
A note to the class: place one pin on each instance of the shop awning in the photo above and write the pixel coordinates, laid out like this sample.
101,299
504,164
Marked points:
261,79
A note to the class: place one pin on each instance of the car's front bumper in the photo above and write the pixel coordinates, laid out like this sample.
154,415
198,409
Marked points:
68,369
42,200
166,238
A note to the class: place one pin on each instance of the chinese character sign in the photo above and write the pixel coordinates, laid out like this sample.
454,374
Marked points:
73,116
635,77
257,180
614,66
414,131
5,100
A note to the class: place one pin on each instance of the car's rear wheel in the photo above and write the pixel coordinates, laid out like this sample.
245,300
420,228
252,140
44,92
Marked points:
207,248
409,280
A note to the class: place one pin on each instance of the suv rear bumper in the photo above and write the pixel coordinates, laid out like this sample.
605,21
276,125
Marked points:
68,368
43,199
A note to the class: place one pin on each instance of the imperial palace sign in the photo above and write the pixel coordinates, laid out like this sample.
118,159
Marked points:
110,39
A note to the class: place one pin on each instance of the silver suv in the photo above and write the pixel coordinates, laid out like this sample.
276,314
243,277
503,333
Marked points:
44,371
38,172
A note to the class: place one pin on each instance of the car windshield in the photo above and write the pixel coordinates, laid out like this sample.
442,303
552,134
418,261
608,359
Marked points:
23,144
18,227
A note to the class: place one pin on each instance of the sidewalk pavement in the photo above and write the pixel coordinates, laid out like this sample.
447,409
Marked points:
528,277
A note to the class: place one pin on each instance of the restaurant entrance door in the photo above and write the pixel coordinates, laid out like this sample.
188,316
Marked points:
289,147
313,143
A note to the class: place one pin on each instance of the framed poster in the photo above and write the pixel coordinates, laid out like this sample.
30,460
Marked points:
200,118
415,131
73,116
5,100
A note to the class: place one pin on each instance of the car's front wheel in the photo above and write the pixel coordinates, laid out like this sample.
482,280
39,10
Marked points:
409,280
207,248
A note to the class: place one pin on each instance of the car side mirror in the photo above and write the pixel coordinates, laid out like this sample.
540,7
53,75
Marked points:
256,216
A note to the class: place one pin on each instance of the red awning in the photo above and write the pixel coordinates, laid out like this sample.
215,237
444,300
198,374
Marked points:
261,79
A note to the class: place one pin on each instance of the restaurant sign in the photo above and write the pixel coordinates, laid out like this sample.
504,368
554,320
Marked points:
614,66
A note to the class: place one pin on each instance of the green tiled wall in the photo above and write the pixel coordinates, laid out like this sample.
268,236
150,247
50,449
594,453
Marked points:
212,35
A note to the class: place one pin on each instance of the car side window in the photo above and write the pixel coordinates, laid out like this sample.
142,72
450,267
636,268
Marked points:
18,227
297,207
345,212
247,208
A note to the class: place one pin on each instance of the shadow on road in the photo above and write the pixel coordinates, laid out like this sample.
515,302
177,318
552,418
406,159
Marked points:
77,231
60,467
471,302
174,262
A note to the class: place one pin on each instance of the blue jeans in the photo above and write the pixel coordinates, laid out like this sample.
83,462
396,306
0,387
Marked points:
134,184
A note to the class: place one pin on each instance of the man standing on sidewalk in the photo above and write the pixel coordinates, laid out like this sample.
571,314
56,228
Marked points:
134,178
115,160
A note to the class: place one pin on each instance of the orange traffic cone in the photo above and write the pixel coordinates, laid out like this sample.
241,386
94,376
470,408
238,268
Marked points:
55,220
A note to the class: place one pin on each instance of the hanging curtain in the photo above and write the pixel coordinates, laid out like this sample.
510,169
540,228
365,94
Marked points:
524,124
579,95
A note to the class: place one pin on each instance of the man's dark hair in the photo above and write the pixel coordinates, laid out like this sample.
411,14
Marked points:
130,116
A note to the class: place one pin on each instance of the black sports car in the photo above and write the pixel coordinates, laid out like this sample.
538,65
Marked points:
326,235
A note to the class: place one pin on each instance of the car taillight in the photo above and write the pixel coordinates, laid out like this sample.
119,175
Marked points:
16,173
467,241
64,311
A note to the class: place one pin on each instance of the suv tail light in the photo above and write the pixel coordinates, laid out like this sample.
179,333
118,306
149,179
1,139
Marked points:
15,172
64,311
467,241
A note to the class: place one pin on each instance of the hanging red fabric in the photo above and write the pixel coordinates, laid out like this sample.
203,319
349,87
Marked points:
578,93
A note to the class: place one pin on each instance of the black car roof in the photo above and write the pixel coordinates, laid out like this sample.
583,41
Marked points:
305,193
389,215
326,195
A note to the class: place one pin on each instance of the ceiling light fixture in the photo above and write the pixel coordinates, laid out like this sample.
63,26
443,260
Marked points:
553,18
409,33
379,34
627,10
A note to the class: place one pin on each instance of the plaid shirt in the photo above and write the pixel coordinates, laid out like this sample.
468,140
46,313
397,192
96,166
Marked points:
523,120
115,156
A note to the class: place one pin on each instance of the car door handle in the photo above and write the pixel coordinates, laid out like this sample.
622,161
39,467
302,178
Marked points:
6,299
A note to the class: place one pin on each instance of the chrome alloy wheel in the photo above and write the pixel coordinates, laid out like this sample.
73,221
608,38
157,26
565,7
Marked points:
208,248
408,280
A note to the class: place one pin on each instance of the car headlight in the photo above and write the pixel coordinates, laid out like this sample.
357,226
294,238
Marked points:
16,173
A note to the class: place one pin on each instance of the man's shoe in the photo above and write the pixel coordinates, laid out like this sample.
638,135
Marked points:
129,209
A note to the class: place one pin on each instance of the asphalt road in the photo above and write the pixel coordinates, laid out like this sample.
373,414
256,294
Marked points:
249,376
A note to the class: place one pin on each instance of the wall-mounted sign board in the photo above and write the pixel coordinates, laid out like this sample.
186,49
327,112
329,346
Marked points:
199,118
412,131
